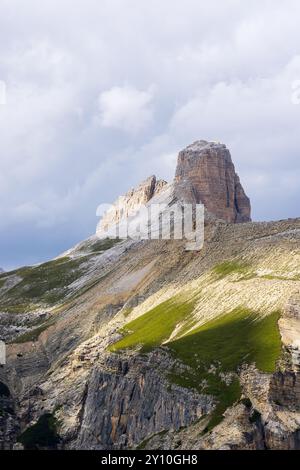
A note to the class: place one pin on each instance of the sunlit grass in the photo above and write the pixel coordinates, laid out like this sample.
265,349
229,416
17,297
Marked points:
154,327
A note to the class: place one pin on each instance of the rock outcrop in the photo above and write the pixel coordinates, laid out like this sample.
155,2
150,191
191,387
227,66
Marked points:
205,174
208,166
141,401
8,423
127,205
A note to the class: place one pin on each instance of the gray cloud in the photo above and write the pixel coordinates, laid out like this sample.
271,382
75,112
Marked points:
102,94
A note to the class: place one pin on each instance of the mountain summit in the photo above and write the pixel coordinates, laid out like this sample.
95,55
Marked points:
208,167
205,174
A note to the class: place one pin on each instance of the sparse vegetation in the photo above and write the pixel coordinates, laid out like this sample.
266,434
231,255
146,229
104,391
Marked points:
144,443
272,277
41,435
44,284
47,284
19,308
127,311
246,272
32,335
231,267
104,245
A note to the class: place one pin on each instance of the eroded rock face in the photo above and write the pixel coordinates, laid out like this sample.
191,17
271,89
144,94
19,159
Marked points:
289,325
128,400
208,166
292,309
8,422
127,205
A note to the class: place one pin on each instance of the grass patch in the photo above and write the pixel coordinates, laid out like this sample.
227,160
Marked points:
227,342
32,335
272,277
47,284
18,308
44,284
238,337
188,325
104,245
154,327
230,267
145,442
246,273
43,434
127,311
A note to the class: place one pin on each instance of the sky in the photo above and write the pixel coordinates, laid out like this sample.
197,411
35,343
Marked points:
101,94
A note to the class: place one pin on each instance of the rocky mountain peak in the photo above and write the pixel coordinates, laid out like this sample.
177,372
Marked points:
205,174
209,168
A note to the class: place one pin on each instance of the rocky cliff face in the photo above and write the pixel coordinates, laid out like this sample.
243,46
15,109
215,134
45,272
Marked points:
208,166
128,204
141,401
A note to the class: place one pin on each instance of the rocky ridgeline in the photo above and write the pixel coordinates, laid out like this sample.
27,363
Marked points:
205,174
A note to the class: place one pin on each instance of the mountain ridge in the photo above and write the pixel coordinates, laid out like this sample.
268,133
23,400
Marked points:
99,342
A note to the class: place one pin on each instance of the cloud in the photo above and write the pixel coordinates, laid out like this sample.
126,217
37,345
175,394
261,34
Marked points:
100,95
258,121
126,108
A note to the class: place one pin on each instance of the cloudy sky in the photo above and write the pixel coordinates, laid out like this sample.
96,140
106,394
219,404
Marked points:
103,93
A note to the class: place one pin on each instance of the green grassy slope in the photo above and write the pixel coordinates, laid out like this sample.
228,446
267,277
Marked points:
156,326
237,337
218,347
226,343
44,284
47,284
230,267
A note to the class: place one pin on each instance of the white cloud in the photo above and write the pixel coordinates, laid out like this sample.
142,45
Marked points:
103,99
126,108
